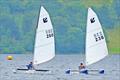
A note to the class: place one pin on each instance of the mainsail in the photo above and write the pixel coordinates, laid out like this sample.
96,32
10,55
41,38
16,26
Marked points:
96,48
44,48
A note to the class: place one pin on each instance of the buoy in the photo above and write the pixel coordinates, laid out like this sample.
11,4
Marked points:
9,57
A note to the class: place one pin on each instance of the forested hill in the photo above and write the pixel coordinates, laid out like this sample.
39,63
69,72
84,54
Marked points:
18,20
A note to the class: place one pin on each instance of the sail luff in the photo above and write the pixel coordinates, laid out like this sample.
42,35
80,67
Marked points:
35,34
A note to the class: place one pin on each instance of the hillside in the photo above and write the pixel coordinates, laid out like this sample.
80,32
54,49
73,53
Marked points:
18,20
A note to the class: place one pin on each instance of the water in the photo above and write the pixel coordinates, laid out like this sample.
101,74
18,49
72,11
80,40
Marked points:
58,65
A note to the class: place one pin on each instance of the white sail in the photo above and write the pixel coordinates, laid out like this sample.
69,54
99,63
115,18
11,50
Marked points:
96,48
44,48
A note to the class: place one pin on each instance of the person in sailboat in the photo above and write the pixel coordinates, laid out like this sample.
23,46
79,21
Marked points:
82,66
30,66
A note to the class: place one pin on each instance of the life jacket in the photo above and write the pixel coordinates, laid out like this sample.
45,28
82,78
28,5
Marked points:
30,66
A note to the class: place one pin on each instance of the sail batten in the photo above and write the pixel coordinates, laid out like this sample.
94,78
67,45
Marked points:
96,48
44,45
95,45
93,30
44,49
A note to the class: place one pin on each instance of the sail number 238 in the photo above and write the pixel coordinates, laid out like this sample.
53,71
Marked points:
98,36
49,33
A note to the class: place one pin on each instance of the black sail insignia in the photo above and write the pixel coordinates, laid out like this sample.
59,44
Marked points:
92,20
45,20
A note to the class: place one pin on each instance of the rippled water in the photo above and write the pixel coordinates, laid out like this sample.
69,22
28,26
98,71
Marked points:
58,65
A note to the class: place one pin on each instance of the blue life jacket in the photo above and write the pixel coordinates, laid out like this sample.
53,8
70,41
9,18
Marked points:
30,66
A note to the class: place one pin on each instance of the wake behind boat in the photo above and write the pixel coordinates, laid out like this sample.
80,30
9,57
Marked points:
96,48
44,48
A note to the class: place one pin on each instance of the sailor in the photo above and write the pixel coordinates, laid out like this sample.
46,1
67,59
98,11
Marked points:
82,66
30,66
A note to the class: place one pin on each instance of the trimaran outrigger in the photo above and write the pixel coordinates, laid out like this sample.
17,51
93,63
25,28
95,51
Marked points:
96,48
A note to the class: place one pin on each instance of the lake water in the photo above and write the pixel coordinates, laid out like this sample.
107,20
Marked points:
58,65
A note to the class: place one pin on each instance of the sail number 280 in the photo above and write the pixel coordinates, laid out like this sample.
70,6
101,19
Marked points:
49,33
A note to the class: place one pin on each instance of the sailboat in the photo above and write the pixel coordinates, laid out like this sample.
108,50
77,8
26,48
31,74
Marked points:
96,47
44,48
